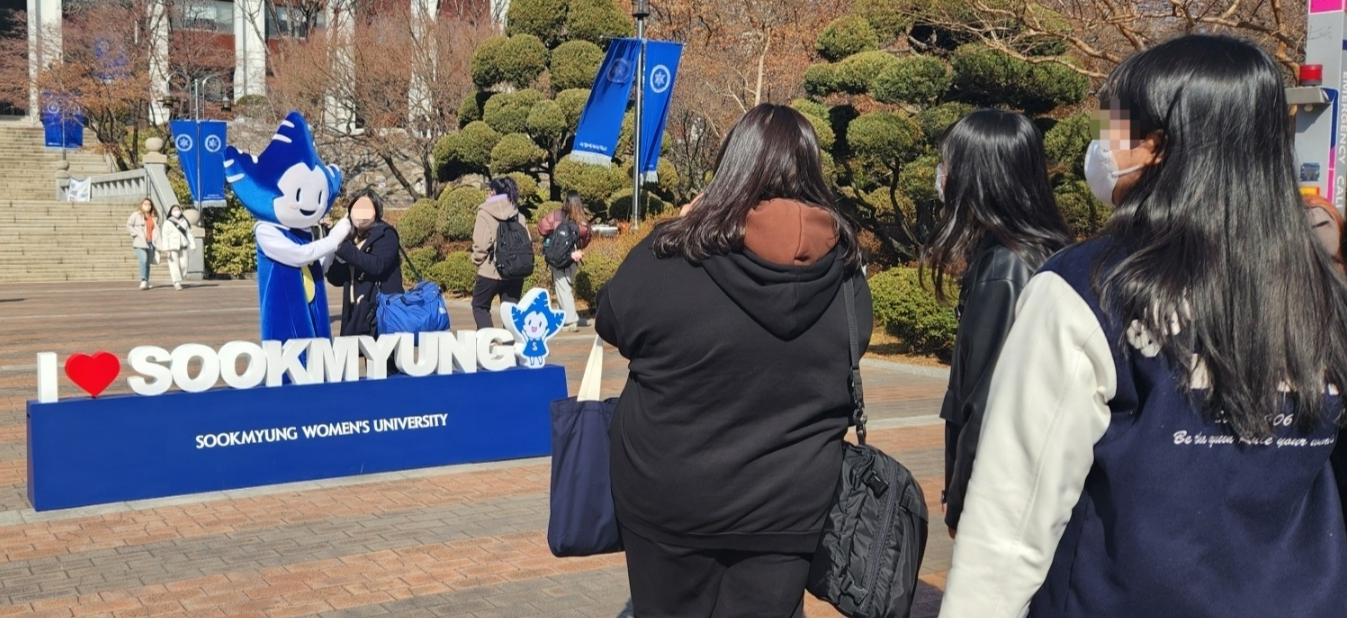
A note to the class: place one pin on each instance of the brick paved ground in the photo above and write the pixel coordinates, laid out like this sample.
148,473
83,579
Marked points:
464,541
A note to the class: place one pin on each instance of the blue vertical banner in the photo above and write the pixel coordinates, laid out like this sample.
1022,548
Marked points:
661,70
601,121
62,122
200,145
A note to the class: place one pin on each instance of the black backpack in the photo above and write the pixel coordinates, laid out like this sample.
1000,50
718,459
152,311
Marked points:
874,535
560,244
513,251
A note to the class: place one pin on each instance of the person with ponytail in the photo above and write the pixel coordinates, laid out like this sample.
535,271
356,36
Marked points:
1160,421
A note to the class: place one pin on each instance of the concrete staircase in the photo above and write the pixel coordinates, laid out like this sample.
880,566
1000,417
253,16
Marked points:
46,240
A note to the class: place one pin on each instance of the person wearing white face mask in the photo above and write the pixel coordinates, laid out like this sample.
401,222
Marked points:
177,242
1161,418
141,225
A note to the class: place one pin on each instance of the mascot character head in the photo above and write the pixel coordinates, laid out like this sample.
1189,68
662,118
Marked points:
287,184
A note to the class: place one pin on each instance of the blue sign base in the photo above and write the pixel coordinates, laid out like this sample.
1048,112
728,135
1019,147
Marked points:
95,451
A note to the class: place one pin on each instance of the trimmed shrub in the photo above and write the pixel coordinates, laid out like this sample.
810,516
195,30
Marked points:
1067,142
936,120
545,19
596,20
886,18
547,122
858,73
596,270
810,108
823,130
575,64
572,104
470,109
419,224
991,77
916,80
820,80
455,274
424,259
517,60
458,212
465,152
542,275
908,310
885,137
619,207
917,180
846,36
541,211
515,152
1084,214
231,247
594,183
508,112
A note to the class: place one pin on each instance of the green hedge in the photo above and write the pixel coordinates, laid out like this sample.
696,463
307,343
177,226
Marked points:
455,274
908,310
424,259
458,212
231,248
846,36
419,223
596,270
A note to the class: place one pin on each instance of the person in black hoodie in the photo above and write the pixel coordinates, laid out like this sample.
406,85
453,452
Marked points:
1002,222
727,440
367,263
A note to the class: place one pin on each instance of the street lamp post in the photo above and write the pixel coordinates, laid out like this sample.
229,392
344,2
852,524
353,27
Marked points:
640,9
196,116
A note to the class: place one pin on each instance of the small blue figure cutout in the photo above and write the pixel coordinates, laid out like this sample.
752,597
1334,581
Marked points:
533,321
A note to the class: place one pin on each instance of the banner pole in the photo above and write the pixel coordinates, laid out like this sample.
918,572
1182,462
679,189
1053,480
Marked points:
640,10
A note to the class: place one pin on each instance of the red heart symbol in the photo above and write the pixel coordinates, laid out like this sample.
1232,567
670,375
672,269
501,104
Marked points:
93,373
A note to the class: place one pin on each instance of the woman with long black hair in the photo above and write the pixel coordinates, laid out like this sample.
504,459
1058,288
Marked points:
1001,223
727,441
1160,420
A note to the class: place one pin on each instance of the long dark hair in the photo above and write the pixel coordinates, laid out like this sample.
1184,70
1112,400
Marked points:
771,152
1215,234
574,207
996,190
505,186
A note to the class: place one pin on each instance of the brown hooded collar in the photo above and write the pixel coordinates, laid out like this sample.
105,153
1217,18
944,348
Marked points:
784,231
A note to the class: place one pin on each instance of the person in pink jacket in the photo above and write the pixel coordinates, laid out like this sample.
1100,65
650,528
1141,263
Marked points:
565,234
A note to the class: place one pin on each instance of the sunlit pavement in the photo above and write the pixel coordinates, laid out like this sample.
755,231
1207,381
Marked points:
464,541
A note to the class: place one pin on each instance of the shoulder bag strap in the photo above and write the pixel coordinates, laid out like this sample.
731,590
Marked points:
410,264
591,383
857,391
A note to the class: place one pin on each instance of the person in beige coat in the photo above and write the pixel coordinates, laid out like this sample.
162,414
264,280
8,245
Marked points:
501,205
141,225
177,242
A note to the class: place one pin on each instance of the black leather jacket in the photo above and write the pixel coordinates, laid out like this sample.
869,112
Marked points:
990,290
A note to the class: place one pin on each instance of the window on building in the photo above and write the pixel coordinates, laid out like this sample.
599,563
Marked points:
290,21
211,15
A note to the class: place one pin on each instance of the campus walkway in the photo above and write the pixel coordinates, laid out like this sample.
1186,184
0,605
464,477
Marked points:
465,541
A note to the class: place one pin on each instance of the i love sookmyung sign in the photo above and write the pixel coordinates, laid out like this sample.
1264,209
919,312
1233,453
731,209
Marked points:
246,414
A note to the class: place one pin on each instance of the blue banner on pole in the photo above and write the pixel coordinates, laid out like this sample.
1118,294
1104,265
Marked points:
661,70
200,145
62,122
601,121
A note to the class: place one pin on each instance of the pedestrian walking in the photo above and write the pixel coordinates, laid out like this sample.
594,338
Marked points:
1161,417
1001,222
178,241
490,249
141,225
727,441
565,234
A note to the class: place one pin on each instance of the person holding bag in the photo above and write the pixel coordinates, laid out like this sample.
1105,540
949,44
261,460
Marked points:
367,263
727,441
177,241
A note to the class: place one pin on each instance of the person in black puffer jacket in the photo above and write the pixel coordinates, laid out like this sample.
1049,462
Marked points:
727,441
367,263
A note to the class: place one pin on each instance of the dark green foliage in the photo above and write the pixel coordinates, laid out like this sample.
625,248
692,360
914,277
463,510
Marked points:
516,60
595,20
915,80
470,110
889,138
572,104
596,270
465,152
515,152
455,274
908,310
810,108
936,120
820,80
986,76
857,74
424,260
886,18
458,212
1067,142
508,112
595,183
574,65
544,19
547,122
844,37
1082,212
231,248
419,224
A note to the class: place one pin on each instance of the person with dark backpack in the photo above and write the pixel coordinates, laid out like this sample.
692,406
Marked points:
565,235
501,249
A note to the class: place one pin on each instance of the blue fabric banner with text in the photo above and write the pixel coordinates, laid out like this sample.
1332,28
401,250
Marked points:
601,120
200,145
661,70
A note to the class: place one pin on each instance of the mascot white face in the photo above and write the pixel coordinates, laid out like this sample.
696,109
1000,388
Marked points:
304,196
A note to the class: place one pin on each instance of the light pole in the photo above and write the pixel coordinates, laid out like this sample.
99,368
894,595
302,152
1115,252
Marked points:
196,145
640,9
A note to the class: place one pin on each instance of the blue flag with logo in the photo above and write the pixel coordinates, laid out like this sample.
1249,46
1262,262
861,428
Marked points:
200,145
62,122
661,69
601,120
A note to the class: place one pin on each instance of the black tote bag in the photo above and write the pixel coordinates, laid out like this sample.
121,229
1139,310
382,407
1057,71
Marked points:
582,521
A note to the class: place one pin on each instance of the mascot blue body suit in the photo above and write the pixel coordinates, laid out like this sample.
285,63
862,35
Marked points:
289,190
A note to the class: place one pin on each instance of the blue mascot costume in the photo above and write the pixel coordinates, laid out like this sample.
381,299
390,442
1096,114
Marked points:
289,190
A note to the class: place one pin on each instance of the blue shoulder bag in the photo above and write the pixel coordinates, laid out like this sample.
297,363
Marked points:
420,309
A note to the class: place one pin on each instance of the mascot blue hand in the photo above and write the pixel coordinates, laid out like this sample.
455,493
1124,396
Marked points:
289,190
